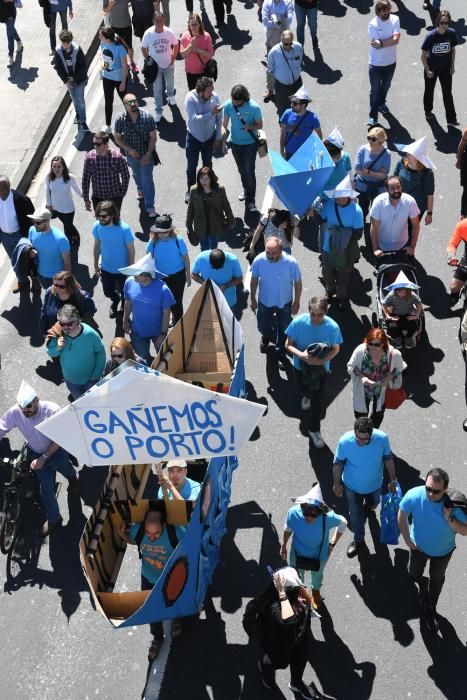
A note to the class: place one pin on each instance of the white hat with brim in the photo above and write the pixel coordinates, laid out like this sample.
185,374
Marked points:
176,463
313,497
301,94
418,149
343,189
41,214
145,265
26,394
402,282
336,138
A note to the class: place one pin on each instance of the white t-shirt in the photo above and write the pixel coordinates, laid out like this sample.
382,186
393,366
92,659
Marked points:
393,220
377,29
58,194
159,45
8,219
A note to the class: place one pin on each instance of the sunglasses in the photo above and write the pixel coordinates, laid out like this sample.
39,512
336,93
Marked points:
66,324
97,143
59,286
131,102
371,138
117,357
104,216
284,44
28,406
360,438
374,345
310,513
294,103
435,492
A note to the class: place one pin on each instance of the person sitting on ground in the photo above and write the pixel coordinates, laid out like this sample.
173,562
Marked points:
156,541
402,308
175,484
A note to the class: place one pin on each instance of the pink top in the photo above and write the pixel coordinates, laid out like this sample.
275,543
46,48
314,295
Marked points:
193,62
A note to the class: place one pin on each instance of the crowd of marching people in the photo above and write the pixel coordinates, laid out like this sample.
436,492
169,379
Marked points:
373,198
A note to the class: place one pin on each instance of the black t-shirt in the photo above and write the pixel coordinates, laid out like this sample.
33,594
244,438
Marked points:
307,4
439,48
142,8
67,57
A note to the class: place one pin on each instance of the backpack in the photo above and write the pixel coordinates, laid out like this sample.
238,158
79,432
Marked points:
252,620
172,533
456,499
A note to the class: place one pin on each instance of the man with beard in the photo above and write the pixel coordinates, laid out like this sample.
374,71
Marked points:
390,214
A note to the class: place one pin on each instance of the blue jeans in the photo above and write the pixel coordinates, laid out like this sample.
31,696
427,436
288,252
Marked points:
77,390
193,150
144,181
245,158
209,242
357,517
53,24
11,34
303,15
76,91
59,462
141,345
10,241
168,75
272,322
380,82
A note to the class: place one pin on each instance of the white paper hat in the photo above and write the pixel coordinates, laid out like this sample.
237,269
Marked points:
419,150
336,138
176,463
402,282
26,394
145,264
290,577
343,189
301,94
313,497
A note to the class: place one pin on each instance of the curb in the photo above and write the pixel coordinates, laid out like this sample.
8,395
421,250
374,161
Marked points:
51,125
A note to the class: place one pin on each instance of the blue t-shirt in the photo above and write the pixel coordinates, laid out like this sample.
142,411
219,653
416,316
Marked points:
148,303
307,537
439,48
50,246
307,124
114,240
363,465
226,273
155,554
251,113
429,529
168,254
189,492
276,279
351,217
303,333
112,55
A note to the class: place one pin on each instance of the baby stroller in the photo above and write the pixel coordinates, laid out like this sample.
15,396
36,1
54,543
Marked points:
387,275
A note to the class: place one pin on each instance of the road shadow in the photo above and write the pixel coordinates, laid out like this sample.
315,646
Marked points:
333,8
21,76
412,23
354,679
173,131
446,141
25,317
364,7
319,69
449,656
235,237
231,35
397,133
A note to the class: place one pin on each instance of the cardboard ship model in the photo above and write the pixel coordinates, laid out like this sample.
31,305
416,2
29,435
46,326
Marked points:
189,405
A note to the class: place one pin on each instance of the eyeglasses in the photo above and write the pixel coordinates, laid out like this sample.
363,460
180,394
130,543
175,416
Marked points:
97,143
104,216
116,357
288,44
59,286
131,102
310,513
294,103
371,138
363,438
66,324
374,345
435,492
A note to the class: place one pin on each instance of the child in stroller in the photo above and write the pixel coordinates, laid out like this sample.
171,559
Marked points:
401,309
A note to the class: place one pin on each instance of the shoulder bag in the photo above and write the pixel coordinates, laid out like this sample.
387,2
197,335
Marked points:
371,188
311,563
394,397
259,136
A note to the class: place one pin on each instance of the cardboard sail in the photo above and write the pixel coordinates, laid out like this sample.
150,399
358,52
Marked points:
204,349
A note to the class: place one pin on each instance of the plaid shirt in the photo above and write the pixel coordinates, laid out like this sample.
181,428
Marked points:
109,175
136,133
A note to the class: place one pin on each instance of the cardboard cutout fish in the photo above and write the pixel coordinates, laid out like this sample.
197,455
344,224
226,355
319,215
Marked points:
298,181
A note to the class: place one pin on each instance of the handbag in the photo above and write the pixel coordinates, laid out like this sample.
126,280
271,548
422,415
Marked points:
259,137
210,69
371,188
310,563
394,397
192,237
150,70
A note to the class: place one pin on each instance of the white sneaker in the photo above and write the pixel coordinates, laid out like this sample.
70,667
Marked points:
317,439
19,46
306,403
10,61
171,100
158,117
241,196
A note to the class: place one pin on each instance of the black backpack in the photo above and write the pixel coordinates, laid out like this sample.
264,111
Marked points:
252,619
172,533
456,499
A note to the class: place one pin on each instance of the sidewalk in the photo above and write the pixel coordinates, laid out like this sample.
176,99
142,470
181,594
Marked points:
34,98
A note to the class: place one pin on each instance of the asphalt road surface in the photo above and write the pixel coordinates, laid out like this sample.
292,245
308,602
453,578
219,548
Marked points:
368,643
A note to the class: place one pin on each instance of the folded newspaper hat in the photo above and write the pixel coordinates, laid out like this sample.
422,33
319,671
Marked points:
301,94
145,264
419,150
313,497
402,282
176,463
336,138
26,394
290,577
343,189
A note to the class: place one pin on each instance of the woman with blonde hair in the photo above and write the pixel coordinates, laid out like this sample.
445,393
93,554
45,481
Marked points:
121,350
372,165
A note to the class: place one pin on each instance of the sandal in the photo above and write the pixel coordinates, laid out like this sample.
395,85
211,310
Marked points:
154,649
177,628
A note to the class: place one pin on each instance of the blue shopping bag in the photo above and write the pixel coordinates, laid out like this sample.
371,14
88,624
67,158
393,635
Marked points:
389,533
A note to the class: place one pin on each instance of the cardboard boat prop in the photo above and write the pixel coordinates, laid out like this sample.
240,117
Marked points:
203,356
